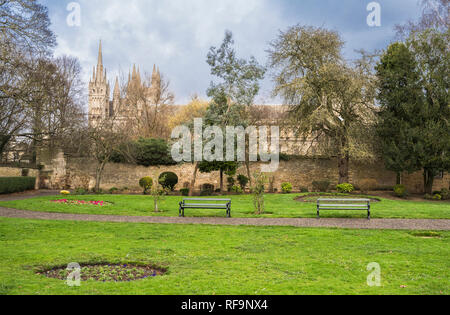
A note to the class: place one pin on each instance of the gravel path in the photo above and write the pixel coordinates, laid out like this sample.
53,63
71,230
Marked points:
377,224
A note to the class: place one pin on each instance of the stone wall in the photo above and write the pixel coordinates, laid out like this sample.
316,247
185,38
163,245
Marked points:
300,172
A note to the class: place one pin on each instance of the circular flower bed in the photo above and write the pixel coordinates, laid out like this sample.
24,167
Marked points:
107,273
81,202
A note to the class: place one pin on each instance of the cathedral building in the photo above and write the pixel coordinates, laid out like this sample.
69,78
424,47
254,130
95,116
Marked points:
127,102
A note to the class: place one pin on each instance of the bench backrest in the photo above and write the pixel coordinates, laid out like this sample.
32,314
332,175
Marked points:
344,201
207,200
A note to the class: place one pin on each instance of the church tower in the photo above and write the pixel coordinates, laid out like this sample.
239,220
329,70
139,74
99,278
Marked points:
99,106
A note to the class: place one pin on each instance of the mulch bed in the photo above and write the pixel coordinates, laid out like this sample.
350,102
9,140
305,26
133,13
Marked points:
107,272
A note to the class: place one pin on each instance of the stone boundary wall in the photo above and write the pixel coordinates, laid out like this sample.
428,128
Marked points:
300,172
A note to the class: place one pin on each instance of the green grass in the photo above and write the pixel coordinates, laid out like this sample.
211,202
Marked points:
224,259
277,205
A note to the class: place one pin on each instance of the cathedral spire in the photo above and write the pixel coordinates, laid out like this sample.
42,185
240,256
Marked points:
100,54
116,89
100,70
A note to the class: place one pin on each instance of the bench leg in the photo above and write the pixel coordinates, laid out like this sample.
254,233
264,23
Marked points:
368,214
318,213
228,212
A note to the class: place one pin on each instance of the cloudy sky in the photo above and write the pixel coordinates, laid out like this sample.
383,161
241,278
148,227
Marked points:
177,34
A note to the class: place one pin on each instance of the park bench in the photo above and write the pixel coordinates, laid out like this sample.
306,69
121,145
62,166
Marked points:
194,203
343,204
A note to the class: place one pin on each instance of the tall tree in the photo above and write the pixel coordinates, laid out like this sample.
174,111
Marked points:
238,85
401,109
331,100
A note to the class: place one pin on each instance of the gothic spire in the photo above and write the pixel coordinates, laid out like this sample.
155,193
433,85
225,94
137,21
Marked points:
116,88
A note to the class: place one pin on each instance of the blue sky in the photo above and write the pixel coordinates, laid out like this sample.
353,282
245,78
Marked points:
176,34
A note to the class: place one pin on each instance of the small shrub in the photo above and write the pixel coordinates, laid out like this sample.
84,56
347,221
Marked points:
258,189
25,172
64,192
428,197
113,190
185,191
367,185
445,193
437,197
400,191
237,189
9,185
230,183
345,188
168,180
80,192
286,188
243,181
304,190
146,183
321,186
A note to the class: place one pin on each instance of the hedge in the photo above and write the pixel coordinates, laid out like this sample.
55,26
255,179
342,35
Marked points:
10,185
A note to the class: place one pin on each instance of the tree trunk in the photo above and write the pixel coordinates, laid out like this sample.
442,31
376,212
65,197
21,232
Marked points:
194,179
156,205
221,181
344,162
98,176
428,179
399,178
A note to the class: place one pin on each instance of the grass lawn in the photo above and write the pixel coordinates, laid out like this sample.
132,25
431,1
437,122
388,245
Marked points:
277,205
223,259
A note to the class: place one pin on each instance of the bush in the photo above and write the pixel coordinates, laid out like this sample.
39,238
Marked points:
321,186
207,190
80,192
304,190
400,191
243,181
185,191
345,188
153,152
237,189
445,193
146,183
10,185
428,197
168,180
230,183
113,190
367,185
286,188
437,197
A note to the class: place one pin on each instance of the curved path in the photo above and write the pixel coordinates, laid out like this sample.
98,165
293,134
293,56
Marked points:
379,224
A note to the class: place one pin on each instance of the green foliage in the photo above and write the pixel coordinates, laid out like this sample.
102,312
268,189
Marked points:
113,190
153,152
146,183
237,189
168,180
185,191
258,190
286,188
345,188
304,189
400,191
437,197
243,181
445,193
80,192
321,186
10,185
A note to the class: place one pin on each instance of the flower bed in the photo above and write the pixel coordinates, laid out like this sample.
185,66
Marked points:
107,272
81,202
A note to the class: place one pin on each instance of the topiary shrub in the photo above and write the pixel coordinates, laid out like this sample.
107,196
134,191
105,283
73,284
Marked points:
146,183
321,186
185,191
168,180
9,185
286,188
243,181
400,191
345,188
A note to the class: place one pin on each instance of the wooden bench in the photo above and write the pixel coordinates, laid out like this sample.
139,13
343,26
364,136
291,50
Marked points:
343,204
194,203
